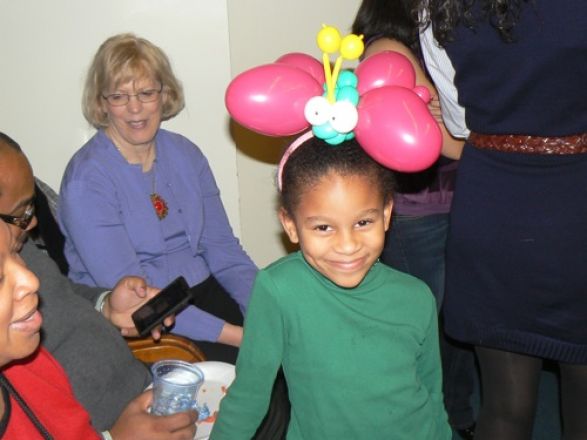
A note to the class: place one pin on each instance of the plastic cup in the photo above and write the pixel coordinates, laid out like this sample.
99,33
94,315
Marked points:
175,386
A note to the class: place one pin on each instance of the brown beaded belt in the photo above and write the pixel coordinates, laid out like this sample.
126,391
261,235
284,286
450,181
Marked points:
511,143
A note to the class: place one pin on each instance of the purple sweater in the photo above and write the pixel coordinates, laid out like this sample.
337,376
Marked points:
112,230
427,192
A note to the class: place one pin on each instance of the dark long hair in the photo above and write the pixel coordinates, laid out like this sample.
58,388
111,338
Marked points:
445,15
395,19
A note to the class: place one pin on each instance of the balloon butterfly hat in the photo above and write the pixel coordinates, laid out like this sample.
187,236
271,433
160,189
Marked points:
379,103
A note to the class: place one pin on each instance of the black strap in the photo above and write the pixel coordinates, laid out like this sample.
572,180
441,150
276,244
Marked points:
7,409
4,383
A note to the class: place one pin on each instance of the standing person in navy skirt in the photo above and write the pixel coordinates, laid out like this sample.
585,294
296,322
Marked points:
517,240
416,241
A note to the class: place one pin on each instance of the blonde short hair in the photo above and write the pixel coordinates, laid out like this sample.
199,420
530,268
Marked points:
123,58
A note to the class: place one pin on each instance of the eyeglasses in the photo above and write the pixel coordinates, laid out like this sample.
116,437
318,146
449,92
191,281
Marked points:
22,222
118,99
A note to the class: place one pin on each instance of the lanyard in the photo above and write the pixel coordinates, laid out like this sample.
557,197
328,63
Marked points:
4,383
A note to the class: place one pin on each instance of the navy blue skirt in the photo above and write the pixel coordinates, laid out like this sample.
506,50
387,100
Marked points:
517,254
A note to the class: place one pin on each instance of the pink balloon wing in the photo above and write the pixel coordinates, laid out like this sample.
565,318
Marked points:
397,130
270,99
385,68
305,62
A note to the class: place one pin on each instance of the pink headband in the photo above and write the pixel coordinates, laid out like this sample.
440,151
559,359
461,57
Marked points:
292,147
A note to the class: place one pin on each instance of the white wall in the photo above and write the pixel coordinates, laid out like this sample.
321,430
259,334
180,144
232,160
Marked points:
260,32
46,47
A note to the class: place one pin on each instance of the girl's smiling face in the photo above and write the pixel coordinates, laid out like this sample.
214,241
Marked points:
340,225
20,321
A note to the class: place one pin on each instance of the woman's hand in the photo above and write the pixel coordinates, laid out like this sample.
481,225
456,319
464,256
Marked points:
231,335
128,295
434,107
135,423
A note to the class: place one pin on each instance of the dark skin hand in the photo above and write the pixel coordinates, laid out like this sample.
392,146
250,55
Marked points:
135,423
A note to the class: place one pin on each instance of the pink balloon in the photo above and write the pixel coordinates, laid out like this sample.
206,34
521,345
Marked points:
387,68
423,93
304,62
397,130
270,99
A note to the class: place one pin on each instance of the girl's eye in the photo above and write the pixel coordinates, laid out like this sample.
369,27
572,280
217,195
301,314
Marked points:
322,228
363,223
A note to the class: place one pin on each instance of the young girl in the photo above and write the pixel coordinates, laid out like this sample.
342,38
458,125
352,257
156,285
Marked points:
358,341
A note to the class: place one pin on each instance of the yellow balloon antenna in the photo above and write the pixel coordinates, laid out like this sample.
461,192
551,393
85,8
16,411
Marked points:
329,41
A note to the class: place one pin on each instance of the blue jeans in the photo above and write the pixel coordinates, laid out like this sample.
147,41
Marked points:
416,245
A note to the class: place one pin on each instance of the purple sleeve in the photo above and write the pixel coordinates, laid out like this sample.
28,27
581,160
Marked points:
227,260
90,218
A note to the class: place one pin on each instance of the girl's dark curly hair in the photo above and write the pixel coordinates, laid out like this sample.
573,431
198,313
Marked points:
445,15
315,158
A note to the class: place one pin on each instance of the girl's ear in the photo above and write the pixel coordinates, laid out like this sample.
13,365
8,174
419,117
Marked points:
387,209
289,225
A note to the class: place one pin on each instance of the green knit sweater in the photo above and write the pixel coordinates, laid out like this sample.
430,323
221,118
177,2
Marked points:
360,363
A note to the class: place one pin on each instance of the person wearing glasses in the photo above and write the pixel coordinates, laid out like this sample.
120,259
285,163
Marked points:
104,376
140,200
24,385
24,220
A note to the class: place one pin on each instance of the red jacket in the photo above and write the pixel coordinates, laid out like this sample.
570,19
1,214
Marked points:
44,386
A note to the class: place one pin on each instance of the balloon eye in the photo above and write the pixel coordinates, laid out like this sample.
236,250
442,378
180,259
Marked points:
344,116
317,110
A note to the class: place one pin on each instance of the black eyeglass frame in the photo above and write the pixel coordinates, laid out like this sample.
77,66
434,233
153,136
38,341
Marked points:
23,221
129,95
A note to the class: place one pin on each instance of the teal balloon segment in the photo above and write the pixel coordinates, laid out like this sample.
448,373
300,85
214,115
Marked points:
330,135
347,93
347,78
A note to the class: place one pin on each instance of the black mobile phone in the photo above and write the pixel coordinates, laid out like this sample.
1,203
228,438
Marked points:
171,299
